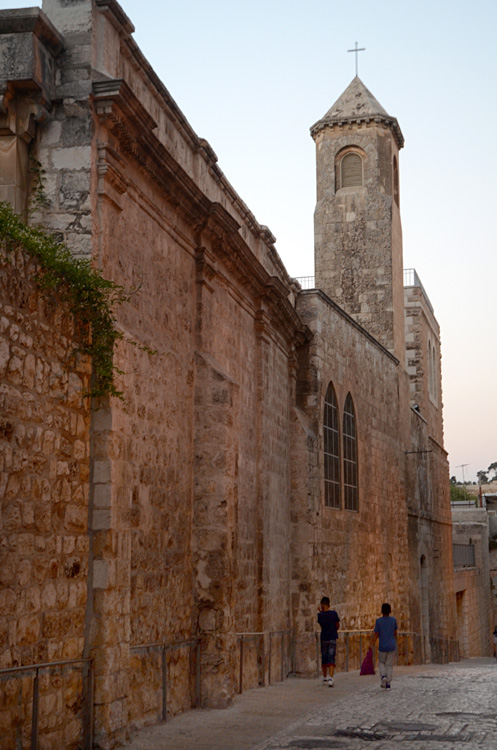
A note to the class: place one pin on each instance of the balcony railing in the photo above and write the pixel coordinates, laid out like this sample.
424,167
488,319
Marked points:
464,555
307,282
411,278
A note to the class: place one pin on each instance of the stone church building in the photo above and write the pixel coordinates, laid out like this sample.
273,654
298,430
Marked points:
274,443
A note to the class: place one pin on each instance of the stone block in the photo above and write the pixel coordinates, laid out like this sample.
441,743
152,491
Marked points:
72,159
48,596
100,574
71,17
102,519
102,495
76,518
28,629
102,472
4,356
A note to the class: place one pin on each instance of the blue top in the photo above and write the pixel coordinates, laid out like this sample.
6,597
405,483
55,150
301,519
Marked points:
386,627
328,621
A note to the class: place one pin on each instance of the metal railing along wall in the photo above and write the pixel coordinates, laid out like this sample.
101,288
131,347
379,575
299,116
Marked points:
306,282
163,648
464,503
265,654
444,650
352,646
87,694
411,649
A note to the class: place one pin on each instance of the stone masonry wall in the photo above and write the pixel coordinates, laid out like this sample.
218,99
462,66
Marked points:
358,558
44,455
129,182
203,488
145,454
432,601
473,585
193,495
425,372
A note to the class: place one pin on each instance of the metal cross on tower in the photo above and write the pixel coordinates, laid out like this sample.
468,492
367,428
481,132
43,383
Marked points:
356,50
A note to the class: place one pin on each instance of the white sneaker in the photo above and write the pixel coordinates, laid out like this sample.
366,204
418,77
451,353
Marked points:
383,682
330,681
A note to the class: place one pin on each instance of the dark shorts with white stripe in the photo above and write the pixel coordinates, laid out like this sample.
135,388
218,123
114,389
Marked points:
328,651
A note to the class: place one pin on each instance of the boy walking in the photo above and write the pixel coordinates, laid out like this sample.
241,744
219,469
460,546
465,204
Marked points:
386,630
329,622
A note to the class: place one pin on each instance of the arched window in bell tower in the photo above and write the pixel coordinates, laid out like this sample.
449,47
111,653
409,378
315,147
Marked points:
350,170
396,181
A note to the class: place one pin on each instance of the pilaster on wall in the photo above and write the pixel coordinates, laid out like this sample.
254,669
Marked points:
215,504
262,331
64,148
305,493
72,17
108,612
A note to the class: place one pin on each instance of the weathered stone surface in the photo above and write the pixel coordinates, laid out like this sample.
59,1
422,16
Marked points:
40,621
196,512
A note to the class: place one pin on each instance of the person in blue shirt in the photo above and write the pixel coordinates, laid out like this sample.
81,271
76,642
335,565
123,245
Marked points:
386,630
329,622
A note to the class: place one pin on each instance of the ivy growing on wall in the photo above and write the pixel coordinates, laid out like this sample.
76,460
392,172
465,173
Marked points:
92,299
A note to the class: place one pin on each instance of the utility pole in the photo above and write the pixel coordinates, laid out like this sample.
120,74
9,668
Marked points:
461,466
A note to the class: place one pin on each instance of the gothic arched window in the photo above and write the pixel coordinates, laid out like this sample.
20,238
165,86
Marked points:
331,450
350,473
351,170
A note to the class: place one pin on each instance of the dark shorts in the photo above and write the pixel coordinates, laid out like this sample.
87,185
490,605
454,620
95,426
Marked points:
328,651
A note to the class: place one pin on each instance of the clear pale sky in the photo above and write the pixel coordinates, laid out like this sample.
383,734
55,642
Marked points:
252,77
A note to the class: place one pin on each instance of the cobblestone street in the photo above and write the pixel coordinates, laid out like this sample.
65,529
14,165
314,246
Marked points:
434,707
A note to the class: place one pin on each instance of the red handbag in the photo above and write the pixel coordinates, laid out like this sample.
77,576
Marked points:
367,666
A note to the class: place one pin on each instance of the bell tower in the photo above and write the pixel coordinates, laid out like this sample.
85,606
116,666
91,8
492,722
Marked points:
358,233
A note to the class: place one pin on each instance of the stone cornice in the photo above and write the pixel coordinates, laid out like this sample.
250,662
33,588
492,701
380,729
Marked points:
109,92
130,49
389,122
29,44
238,258
31,20
117,16
119,110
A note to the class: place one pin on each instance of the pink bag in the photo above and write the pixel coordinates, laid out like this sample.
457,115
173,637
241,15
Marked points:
367,666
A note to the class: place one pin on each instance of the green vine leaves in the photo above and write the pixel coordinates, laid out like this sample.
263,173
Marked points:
92,299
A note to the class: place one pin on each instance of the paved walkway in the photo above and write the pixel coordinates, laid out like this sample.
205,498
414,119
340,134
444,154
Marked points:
433,707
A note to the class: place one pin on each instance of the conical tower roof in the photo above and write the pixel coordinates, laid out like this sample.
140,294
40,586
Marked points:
357,105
